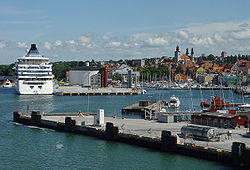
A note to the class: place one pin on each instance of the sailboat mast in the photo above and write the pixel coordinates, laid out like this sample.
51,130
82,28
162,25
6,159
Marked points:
170,76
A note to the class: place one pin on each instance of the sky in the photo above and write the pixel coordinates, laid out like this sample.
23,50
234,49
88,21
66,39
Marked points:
80,30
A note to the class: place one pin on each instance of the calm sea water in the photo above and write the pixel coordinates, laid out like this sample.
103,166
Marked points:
23,147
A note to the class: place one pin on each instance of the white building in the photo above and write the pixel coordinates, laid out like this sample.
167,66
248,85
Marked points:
124,69
82,75
127,72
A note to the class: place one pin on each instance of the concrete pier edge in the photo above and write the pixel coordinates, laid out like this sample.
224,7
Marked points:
239,156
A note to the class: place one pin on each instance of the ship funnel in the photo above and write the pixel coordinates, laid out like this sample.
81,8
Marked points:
33,49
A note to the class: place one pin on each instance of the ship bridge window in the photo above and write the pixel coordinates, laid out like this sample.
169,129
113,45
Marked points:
31,87
39,87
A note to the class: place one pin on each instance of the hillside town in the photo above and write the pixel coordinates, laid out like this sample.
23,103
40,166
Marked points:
180,71
183,70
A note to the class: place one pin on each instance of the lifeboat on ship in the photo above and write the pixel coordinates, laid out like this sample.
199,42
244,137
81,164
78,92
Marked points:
216,102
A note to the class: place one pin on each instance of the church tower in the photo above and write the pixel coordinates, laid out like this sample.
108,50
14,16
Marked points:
192,55
177,54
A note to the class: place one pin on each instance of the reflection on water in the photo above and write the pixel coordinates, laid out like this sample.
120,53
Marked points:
44,103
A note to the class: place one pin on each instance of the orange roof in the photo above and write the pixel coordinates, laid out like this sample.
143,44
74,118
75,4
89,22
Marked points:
207,65
243,61
185,57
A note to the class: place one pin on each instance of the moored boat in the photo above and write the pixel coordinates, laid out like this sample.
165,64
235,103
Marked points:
7,84
216,102
174,102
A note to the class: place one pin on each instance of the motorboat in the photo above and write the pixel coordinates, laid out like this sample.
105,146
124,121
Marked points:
174,102
244,107
7,84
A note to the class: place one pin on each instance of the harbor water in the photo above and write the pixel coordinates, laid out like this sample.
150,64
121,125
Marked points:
26,147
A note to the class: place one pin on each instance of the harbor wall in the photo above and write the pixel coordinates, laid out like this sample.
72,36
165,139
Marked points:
240,155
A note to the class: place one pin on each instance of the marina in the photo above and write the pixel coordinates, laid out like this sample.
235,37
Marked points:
115,85
126,123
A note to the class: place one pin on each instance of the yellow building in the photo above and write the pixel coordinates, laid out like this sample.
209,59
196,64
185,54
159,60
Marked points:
205,78
200,71
208,78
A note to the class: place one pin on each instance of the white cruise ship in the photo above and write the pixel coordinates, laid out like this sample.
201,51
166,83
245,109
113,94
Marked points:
34,73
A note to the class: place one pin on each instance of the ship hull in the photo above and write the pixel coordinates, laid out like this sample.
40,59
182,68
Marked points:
25,88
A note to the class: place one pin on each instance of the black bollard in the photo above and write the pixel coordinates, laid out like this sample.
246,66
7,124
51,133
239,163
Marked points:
69,124
238,153
168,142
16,116
35,118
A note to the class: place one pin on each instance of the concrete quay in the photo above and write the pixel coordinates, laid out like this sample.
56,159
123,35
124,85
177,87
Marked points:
151,134
82,91
153,129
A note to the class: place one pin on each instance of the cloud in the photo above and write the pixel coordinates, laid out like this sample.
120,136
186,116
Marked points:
105,37
22,45
58,43
114,44
213,38
241,34
86,40
183,34
156,42
2,45
71,42
47,45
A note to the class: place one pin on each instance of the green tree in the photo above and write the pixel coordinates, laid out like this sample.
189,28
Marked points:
7,70
117,76
179,70
60,69
211,57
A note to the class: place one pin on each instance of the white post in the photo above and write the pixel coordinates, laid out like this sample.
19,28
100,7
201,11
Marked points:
99,118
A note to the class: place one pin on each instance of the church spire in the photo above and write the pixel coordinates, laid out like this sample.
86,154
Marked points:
177,48
187,52
192,55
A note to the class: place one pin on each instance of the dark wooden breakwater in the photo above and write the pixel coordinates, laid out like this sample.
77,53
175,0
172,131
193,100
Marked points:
239,156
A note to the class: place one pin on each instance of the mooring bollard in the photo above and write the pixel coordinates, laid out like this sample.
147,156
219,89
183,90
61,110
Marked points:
16,116
111,131
247,159
35,118
168,142
69,124
238,153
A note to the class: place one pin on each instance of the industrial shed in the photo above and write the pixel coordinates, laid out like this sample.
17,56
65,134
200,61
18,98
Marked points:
82,75
221,120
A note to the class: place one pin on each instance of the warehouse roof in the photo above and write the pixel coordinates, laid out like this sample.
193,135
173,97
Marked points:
86,68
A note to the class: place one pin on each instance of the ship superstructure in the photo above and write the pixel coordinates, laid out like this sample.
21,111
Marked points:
34,73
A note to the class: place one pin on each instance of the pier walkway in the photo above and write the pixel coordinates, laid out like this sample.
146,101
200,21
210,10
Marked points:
153,129
82,91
